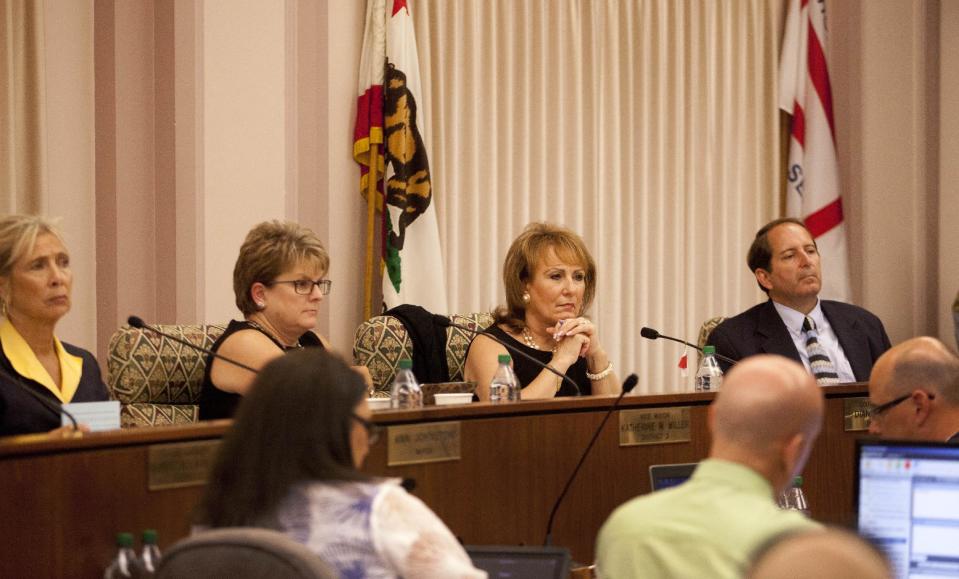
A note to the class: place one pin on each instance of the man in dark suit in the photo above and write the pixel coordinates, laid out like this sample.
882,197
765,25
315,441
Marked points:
837,342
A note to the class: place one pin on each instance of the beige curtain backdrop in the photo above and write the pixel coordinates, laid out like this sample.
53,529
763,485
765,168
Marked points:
21,112
650,127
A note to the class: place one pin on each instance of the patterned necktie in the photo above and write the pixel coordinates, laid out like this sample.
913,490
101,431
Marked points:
822,367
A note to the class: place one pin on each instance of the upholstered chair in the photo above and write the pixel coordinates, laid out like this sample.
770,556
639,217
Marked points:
157,380
382,341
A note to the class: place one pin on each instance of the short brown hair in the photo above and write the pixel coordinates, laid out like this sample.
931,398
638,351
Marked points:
521,259
269,249
760,252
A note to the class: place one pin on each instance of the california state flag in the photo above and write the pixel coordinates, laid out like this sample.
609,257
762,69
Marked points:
413,262
812,192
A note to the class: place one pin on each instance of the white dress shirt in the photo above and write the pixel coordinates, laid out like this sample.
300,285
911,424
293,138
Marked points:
827,339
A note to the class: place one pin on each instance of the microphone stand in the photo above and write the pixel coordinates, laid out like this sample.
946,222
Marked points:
651,334
628,385
138,323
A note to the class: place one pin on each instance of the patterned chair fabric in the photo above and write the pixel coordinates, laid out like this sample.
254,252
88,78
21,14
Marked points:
381,342
704,331
157,380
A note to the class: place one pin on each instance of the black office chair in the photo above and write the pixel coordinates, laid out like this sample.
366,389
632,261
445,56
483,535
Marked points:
242,553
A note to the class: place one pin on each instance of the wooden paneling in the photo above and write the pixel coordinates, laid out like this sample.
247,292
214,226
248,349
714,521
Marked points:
65,500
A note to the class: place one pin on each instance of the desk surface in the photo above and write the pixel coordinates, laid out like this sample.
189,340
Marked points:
66,499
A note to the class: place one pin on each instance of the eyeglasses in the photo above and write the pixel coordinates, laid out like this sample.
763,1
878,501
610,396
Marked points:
304,287
877,411
372,430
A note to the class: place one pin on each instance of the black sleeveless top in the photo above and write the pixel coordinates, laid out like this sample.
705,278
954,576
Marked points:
216,403
526,371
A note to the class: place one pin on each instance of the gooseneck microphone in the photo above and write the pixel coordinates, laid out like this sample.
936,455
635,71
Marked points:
628,385
651,334
444,321
138,323
57,409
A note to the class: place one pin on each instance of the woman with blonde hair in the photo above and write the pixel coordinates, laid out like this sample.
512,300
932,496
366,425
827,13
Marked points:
550,280
35,292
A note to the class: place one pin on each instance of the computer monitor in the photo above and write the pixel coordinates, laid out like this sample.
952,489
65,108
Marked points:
907,500
663,476
502,562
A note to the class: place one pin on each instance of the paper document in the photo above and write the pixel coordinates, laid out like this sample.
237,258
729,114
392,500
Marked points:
97,415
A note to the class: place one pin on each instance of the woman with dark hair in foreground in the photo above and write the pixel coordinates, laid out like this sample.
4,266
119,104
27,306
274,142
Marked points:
291,462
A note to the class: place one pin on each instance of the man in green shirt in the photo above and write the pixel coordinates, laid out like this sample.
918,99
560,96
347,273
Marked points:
764,421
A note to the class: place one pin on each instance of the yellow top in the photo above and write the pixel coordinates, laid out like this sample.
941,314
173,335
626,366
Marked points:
26,363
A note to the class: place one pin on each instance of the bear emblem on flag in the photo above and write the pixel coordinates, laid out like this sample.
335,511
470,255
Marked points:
408,188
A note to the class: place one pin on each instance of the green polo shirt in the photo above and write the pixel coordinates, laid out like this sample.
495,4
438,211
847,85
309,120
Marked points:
707,527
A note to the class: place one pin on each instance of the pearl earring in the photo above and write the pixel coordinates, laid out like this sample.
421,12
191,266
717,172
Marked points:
526,297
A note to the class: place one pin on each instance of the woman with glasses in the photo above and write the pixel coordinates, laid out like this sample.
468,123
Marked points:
279,281
291,463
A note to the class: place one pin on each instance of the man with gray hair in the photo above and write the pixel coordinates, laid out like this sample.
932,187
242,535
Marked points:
763,422
914,392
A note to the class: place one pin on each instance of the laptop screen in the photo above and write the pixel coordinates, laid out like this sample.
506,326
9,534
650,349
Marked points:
663,476
502,562
907,499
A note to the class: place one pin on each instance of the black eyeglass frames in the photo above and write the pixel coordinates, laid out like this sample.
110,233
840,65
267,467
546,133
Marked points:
305,286
373,431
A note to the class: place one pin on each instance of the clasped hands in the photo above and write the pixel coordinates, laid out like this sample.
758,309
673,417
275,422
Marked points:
575,337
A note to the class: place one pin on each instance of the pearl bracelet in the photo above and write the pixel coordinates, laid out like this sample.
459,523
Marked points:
600,375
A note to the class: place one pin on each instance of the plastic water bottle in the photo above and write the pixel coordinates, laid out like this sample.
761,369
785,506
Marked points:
505,386
125,563
150,555
709,377
794,499
406,391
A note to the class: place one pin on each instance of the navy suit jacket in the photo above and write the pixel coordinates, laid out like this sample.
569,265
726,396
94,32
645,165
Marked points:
760,330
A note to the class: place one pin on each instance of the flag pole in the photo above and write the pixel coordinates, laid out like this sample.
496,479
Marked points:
371,195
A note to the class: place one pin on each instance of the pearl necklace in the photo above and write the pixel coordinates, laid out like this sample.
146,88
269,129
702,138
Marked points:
528,338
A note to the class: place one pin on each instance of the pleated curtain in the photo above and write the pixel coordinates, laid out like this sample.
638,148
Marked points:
22,183
648,126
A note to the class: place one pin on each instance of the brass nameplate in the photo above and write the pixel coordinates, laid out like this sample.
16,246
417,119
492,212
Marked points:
654,426
855,412
180,464
420,443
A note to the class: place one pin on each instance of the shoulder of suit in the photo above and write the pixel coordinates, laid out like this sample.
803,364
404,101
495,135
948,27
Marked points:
853,312
76,350
749,315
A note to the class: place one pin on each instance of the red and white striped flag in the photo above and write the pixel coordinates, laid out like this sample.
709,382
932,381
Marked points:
812,192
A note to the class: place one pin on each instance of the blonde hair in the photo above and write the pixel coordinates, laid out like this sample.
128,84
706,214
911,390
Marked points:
269,249
526,252
18,236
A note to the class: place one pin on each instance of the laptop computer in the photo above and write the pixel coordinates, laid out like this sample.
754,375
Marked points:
663,476
907,502
502,562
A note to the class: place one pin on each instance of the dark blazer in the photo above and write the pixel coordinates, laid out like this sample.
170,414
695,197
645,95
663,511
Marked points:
760,330
21,413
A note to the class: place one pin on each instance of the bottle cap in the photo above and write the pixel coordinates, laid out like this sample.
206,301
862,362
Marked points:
150,536
707,350
406,364
503,358
797,481
124,539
